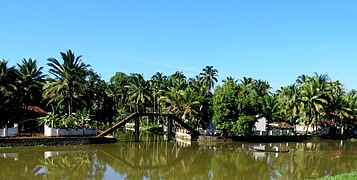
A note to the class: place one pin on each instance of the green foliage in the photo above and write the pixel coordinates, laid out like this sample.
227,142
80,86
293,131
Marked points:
244,125
81,119
10,101
155,129
233,106
68,84
225,107
351,175
236,107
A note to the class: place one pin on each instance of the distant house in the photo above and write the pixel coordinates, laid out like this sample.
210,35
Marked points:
30,124
261,124
275,128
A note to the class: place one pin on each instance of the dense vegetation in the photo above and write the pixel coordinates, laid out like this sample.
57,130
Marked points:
75,93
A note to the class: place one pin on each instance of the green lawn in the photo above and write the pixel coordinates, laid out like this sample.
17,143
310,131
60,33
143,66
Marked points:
351,175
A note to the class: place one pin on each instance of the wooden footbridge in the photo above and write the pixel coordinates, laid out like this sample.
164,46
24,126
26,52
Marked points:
136,116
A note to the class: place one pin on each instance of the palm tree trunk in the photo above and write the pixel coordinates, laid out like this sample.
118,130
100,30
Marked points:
267,127
69,105
307,127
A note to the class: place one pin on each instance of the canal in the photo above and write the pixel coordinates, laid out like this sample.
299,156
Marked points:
155,158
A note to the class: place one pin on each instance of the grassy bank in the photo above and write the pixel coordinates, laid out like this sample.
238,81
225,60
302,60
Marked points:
351,175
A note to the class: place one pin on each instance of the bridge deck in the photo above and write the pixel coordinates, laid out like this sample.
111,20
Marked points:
137,115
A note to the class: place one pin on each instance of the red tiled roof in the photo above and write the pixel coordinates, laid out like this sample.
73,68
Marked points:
35,109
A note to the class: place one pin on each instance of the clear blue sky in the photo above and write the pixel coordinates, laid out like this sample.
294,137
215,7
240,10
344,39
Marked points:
273,40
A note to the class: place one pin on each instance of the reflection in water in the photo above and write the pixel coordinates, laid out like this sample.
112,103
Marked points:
154,158
14,156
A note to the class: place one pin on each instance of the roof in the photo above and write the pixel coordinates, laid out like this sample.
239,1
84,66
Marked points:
35,109
281,124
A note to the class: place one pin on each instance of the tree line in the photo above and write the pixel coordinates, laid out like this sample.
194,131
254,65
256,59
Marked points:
72,88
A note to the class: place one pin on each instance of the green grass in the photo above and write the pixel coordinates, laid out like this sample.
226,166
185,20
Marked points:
351,175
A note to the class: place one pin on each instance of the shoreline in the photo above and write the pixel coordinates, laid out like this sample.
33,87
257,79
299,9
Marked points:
54,141
270,139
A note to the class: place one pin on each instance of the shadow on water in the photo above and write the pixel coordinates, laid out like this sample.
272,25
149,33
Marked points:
155,158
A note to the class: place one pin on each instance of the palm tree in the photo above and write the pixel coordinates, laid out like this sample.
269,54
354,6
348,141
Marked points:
171,100
261,87
208,77
7,77
341,106
9,103
351,100
230,79
302,79
157,85
139,93
178,79
31,80
314,101
69,79
247,81
290,104
270,109
191,104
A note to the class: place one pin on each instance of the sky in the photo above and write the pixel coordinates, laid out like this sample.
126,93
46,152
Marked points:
272,40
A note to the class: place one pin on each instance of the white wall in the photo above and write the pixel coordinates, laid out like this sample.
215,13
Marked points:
261,124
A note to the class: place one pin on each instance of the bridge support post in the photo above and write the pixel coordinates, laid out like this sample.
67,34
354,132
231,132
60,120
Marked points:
137,132
169,128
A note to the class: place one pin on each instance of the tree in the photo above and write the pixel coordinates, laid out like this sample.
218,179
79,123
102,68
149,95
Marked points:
139,93
313,95
208,77
158,87
261,87
270,109
234,105
9,102
31,80
247,81
69,79
290,102
118,93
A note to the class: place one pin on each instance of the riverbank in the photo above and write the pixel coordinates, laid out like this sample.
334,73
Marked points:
54,141
269,139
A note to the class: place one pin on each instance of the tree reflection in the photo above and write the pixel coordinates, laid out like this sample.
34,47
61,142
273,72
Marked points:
82,165
157,159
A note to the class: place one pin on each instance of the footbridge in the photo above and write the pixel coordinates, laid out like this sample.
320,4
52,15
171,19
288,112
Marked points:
136,118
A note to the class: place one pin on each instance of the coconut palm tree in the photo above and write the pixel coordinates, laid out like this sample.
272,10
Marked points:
230,79
178,79
7,77
68,81
139,93
171,100
314,101
191,104
351,100
302,79
261,87
208,77
157,85
9,102
270,109
290,103
31,80
247,81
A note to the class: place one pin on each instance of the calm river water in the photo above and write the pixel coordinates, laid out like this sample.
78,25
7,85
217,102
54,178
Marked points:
154,158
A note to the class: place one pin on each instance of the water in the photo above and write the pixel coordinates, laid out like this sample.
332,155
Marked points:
154,158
